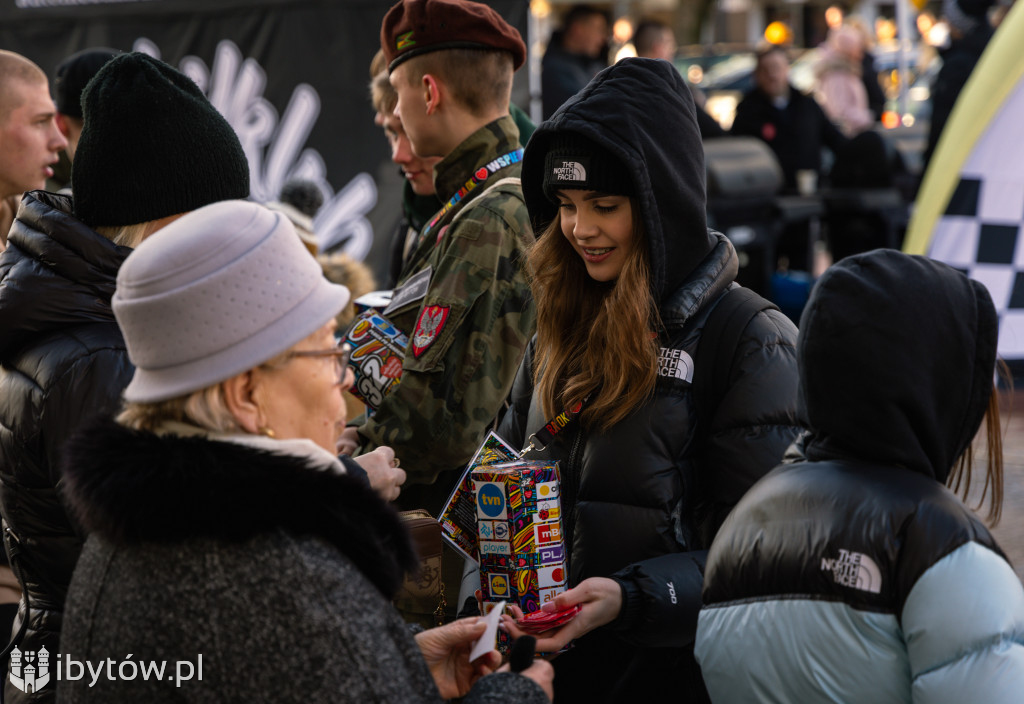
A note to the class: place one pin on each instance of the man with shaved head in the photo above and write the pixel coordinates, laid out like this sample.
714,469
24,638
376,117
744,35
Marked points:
30,142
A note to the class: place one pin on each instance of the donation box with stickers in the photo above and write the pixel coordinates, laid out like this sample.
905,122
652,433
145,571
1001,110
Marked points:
519,524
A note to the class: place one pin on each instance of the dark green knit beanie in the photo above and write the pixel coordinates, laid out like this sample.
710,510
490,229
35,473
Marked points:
152,146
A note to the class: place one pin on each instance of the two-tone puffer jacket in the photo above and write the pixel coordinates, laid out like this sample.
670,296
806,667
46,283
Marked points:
62,360
854,575
640,499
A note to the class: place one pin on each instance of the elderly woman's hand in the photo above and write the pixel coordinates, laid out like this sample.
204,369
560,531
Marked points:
381,467
446,650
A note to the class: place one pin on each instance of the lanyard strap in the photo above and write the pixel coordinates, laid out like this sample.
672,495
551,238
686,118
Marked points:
553,427
479,176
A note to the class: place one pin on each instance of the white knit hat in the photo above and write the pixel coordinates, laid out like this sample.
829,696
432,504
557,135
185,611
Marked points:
216,293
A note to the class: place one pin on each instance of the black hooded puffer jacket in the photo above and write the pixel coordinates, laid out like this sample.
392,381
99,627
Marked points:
62,360
641,501
853,574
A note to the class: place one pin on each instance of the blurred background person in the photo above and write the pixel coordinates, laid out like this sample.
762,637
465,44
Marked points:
30,141
839,88
654,40
239,396
869,72
574,55
791,123
969,34
69,80
300,201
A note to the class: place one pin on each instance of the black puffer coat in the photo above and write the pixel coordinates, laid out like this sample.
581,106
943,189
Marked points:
642,500
62,359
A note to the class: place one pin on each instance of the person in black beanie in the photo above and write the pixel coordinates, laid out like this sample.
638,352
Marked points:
70,79
152,148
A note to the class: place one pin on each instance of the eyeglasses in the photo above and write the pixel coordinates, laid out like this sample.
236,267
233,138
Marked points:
340,352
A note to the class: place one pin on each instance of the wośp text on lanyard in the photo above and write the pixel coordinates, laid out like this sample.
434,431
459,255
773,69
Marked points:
553,427
478,177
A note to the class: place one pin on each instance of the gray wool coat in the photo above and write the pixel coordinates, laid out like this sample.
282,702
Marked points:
278,575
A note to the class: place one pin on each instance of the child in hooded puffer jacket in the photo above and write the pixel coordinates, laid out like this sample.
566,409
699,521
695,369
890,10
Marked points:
852,574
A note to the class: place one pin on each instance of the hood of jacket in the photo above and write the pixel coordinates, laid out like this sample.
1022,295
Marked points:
133,486
897,355
56,272
641,111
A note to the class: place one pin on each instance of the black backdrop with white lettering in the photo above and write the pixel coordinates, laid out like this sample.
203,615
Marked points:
290,75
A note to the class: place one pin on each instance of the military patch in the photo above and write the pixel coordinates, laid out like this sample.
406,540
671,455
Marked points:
428,327
413,289
404,41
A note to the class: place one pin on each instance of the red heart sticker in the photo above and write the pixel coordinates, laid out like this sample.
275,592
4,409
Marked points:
392,368
481,173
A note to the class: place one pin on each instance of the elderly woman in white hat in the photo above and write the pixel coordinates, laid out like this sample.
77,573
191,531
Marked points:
226,539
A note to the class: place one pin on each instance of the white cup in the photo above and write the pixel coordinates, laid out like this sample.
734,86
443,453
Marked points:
806,182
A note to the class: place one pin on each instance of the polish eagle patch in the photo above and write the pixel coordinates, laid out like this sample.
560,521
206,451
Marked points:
428,327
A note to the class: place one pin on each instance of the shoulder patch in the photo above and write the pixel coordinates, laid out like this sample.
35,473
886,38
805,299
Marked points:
413,289
428,327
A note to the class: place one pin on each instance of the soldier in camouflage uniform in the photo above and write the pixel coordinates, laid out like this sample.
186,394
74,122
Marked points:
462,297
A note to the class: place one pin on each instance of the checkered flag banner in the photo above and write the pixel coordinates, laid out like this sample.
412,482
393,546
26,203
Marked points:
970,209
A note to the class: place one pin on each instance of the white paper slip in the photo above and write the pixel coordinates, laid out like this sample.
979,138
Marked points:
489,639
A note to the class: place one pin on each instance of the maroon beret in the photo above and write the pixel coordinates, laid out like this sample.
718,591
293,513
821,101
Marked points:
415,27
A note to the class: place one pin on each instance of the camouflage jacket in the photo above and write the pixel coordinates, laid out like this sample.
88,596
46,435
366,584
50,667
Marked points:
465,304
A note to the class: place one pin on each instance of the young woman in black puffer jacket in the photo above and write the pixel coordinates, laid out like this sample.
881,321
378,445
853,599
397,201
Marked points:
625,274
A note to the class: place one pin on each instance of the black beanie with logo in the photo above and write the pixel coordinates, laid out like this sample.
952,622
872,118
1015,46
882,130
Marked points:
577,162
152,146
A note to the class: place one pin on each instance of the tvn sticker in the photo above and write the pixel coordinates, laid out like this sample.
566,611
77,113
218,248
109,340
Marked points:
547,533
551,576
495,547
490,501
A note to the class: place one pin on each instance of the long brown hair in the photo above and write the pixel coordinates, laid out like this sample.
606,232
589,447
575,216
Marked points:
595,340
959,480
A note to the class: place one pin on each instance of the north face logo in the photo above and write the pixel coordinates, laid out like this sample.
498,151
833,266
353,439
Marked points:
855,570
570,171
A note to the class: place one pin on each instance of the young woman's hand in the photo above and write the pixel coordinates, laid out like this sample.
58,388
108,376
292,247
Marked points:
446,650
600,600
